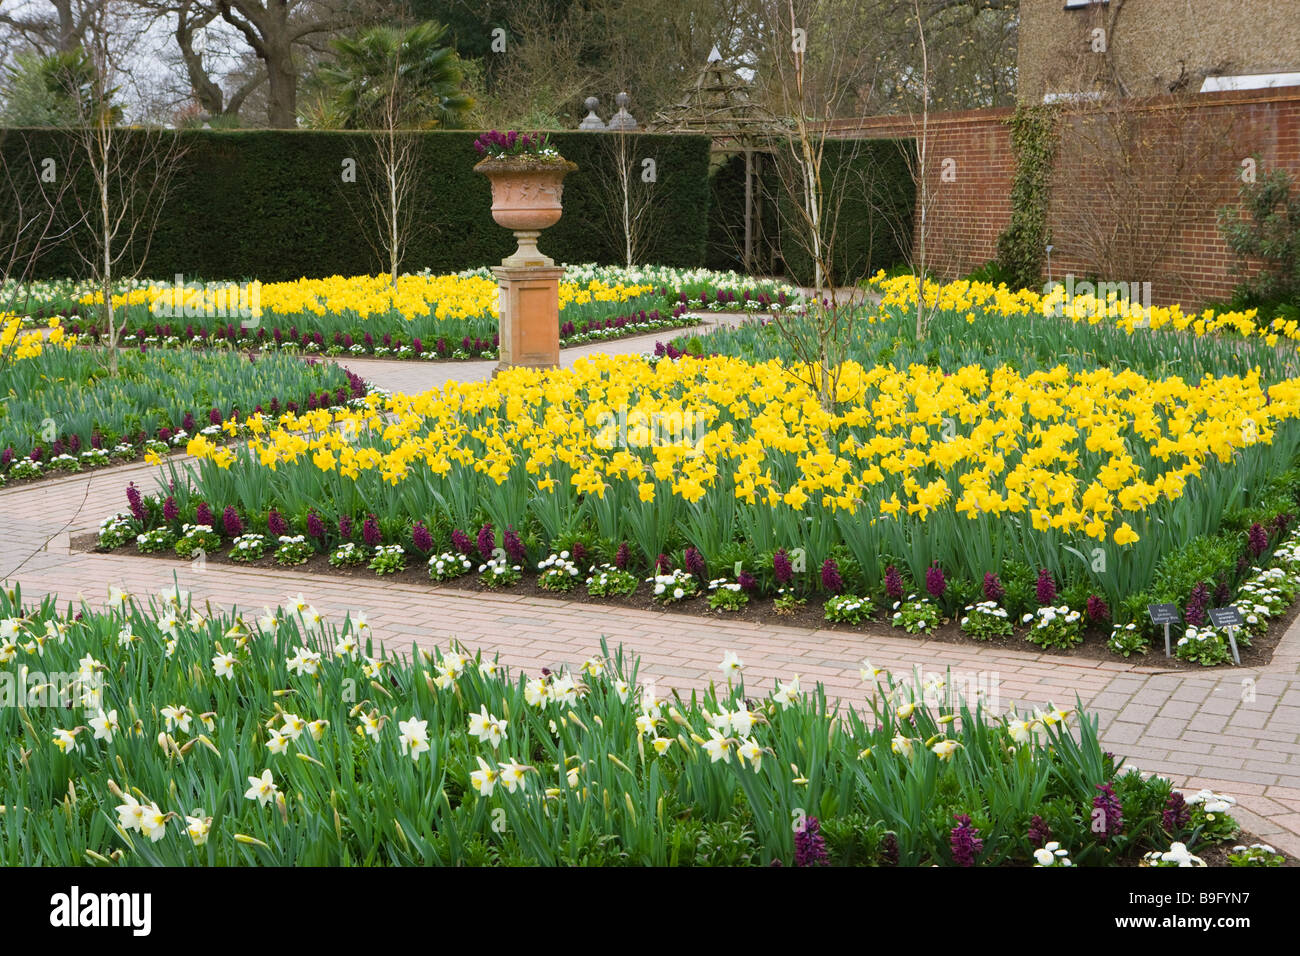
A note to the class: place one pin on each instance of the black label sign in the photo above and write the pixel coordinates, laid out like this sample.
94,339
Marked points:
1163,613
1225,617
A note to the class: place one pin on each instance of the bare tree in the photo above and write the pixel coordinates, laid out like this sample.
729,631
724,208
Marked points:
31,190
129,174
633,206
814,190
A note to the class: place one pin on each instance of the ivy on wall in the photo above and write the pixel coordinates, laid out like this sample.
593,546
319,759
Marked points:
1022,247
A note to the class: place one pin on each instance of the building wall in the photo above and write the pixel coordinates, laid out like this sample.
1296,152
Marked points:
1189,262
1153,47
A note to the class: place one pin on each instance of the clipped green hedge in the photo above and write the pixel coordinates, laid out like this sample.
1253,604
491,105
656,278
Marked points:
271,204
870,179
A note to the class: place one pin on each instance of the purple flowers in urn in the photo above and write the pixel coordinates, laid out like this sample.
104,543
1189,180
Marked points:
495,144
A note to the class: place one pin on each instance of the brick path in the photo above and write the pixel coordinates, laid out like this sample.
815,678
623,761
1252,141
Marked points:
1236,730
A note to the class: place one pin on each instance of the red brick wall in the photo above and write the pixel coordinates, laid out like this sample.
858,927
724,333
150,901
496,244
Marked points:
1180,252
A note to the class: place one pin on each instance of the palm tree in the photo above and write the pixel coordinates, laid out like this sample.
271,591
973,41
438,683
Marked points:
393,76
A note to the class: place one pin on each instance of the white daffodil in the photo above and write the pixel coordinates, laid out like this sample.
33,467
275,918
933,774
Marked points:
262,789
129,812
750,752
484,779
198,828
105,725
486,728
944,749
292,726
512,775
414,737
223,665
731,664
153,822
277,742
787,694
178,717
718,747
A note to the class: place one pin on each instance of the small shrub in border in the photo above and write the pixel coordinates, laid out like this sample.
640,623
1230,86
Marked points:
847,609
986,620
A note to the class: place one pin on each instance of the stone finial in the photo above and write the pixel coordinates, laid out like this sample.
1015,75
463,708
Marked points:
622,120
591,120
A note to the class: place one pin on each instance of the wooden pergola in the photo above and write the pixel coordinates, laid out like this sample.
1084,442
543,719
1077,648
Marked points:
718,105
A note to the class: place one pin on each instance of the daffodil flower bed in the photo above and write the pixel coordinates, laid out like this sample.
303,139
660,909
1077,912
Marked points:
66,411
1062,302
286,739
425,316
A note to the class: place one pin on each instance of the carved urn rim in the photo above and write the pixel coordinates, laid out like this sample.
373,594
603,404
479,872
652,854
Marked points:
524,164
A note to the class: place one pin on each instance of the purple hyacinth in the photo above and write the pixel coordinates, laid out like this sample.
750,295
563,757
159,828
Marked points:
621,556
965,841
579,553
461,542
747,581
1222,592
782,570
1197,602
203,515
935,582
514,547
170,509
663,565
1045,589
893,583
487,541
421,538
370,532
831,579
993,588
1098,610
1176,814
889,850
315,527
276,524
1256,540
1040,834
809,845
695,565
136,502
231,521
1107,814
345,527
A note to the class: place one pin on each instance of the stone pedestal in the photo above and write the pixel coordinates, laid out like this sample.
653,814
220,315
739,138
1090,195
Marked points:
530,314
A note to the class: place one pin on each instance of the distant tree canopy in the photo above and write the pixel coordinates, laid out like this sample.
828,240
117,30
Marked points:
53,90
404,77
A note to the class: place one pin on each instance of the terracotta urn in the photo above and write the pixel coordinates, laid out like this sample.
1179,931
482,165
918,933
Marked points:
526,198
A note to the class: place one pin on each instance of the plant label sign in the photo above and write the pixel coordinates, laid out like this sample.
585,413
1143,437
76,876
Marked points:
1225,617
1228,618
1163,613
